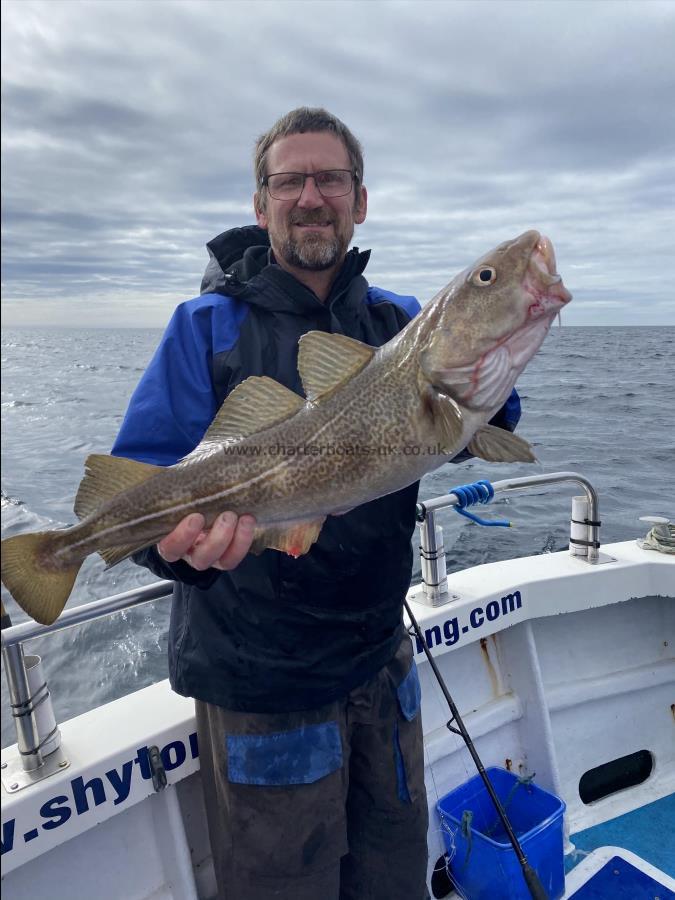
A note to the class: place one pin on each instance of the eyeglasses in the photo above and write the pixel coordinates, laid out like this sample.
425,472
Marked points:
290,185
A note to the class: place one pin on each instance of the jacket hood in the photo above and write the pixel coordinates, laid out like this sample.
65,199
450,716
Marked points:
241,264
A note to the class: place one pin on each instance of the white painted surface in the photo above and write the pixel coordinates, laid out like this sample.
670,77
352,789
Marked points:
98,744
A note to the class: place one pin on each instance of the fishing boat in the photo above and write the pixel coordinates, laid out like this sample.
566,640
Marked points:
561,664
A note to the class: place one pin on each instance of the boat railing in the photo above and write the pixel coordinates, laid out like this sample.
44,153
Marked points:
584,528
38,741
30,701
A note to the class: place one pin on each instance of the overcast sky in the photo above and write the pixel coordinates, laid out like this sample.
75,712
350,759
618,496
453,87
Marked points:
128,130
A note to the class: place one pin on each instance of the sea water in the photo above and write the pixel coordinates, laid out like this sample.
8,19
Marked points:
598,401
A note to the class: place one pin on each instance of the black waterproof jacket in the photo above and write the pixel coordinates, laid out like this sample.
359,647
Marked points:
277,633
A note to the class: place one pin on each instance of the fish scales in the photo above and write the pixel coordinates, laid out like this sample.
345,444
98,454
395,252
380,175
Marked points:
305,484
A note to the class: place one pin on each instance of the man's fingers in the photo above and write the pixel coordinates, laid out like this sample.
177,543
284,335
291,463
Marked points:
224,545
214,542
239,546
178,543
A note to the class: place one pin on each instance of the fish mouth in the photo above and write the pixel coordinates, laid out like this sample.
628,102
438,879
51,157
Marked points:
543,283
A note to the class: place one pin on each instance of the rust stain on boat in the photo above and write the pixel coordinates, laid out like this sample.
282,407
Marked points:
494,681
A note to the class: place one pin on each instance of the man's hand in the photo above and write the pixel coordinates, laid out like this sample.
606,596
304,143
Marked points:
223,546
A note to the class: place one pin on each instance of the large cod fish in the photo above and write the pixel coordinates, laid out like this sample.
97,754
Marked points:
373,421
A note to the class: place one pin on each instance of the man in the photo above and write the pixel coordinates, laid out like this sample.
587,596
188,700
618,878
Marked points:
307,698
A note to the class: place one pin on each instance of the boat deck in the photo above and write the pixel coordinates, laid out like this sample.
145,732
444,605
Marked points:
612,872
635,832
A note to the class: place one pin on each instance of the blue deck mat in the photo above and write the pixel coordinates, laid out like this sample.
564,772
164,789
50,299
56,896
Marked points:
619,880
648,832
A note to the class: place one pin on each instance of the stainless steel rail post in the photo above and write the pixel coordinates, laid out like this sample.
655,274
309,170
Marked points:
432,556
31,765
511,485
27,737
431,535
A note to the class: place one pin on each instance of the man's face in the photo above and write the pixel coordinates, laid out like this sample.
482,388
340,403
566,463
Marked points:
312,232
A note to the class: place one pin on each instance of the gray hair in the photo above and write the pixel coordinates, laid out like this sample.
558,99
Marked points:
300,121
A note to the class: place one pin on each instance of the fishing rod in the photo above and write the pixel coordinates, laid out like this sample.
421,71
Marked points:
532,881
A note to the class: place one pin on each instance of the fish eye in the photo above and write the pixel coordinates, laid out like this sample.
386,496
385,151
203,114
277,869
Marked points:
484,276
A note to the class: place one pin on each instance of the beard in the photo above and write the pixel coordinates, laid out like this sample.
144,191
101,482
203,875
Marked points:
314,251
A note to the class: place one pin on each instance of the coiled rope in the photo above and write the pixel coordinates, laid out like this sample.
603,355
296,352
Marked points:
471,494
657,540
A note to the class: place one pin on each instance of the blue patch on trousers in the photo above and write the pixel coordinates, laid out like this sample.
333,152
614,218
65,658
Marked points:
410,693
401,777
301,756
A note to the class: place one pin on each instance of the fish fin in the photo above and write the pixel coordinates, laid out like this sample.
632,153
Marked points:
327,361
447,418
114,555
294,539
41,591
107,476
498,445
257,403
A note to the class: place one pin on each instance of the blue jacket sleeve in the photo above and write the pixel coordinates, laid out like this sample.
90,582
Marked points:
174,402
171,408
406,302
509,415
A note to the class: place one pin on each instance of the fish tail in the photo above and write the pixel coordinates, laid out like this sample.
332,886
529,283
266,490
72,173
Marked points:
40,587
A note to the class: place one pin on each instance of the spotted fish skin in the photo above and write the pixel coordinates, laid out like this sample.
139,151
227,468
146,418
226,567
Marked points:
373,422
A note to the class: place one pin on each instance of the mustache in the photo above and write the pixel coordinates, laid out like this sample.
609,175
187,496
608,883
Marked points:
310,218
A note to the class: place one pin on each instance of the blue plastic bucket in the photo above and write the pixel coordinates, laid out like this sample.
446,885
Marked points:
483,863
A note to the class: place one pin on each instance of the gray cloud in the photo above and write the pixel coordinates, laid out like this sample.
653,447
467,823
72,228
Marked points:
128,131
